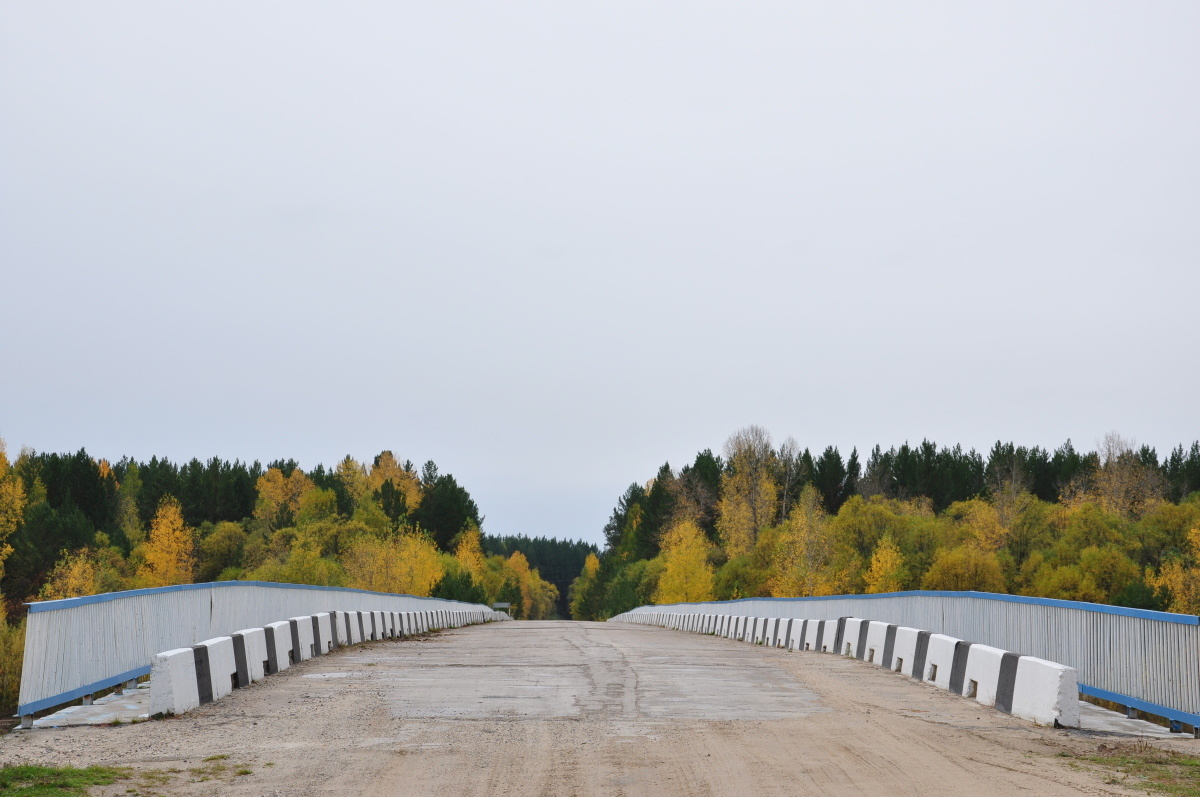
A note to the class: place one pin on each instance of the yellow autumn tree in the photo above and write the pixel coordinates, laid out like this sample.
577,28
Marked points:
1181,580
386,468
580,591
87,571
169,553
979,521
12,651
687,576
12,504
803,559
966,567
279,496
469,554
407,564
748,497
73,577
353,477
886,572
518,566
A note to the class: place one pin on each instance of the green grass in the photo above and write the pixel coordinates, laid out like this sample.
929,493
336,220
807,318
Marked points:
1143,766
35,781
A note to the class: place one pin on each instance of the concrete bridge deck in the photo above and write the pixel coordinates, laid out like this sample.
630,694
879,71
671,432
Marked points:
559,708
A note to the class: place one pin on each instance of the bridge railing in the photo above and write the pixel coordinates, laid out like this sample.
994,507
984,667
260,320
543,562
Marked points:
1143,659
78,646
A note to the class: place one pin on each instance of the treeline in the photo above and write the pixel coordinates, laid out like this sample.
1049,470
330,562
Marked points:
1117,525
74,525
558,561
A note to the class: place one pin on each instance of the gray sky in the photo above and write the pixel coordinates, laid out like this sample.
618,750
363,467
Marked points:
551,245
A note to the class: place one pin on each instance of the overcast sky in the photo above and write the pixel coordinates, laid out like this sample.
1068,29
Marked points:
552,245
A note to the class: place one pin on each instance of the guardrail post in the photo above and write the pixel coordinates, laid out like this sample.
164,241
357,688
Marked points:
26,721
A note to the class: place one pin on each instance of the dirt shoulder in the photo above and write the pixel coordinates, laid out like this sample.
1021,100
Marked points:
582,709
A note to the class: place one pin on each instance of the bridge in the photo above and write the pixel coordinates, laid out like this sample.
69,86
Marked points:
649,704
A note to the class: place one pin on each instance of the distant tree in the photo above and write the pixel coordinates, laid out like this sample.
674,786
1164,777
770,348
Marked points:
584,599
408,564
279,496
406,491
170,550
459,586
687,576
831,478
12,505
886,572
220,550
445,510
748,491
966,567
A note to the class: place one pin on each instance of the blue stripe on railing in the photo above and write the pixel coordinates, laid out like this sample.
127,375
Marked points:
1145,614
75,694
69,603
1141,705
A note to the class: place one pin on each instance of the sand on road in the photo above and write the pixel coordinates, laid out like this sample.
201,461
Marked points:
566,708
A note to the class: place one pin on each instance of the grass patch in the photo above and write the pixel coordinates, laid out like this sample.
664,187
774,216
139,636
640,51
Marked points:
1142,765
220,757
35,781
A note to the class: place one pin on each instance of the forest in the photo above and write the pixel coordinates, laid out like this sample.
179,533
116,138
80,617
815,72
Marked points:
1116,525
73,525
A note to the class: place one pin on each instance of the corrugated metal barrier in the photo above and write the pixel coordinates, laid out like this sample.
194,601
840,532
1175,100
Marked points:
77,646
1144,659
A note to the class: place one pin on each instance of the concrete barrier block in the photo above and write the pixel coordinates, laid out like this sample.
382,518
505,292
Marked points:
939,660
853,637
337,632
877,643
250,651
323,632
819,636
758,626
355,627
279,646
303,644
981,676
173,682
1044,692
799,626
904,652
216,668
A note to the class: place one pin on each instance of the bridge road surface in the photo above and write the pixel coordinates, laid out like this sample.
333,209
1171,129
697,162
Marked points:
567,708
